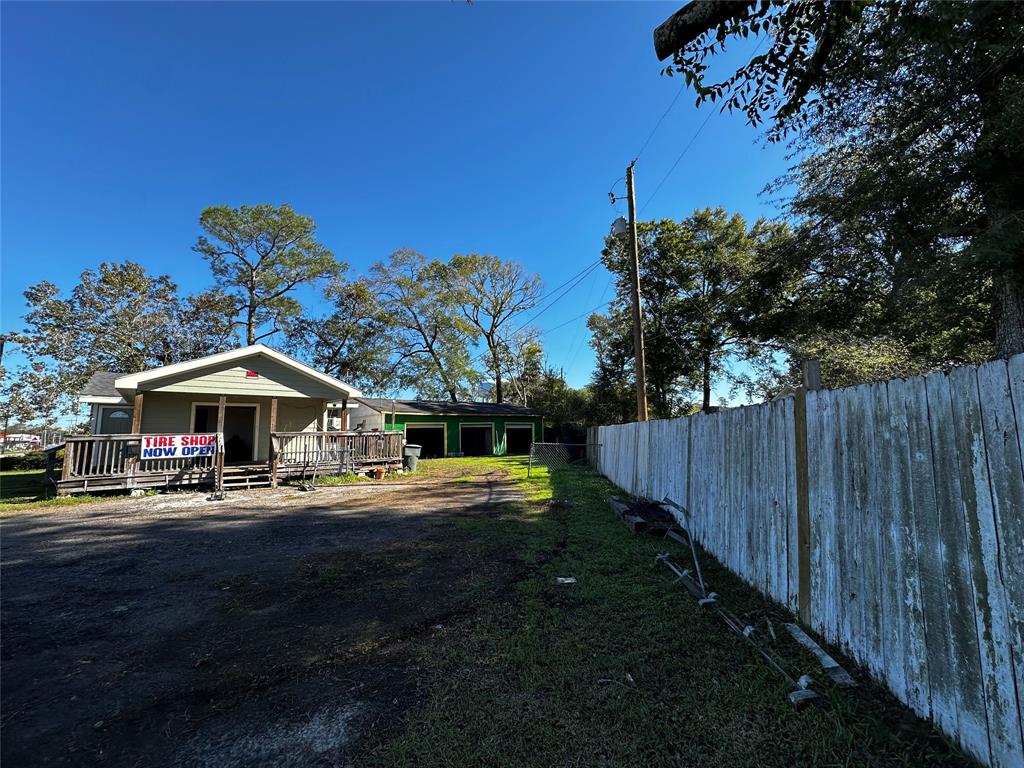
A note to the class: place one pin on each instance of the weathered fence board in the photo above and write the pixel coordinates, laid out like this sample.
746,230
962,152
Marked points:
916,538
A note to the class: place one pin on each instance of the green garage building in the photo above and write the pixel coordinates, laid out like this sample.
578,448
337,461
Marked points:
453,429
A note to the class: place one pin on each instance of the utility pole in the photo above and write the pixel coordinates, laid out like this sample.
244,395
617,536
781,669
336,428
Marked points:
638,316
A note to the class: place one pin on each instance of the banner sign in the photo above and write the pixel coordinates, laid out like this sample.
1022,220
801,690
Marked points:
177,446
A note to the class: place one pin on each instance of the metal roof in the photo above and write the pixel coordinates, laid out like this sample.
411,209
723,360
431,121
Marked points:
445,407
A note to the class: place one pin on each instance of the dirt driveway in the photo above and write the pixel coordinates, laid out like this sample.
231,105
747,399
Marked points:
267,629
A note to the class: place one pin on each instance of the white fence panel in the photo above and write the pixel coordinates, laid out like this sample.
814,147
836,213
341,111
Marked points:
916,502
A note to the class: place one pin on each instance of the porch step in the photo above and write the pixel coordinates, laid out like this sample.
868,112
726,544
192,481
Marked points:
246,477
246,482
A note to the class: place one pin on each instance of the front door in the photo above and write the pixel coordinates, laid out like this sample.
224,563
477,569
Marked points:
239,429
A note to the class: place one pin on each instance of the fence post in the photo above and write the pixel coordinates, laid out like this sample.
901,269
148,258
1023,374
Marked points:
811,379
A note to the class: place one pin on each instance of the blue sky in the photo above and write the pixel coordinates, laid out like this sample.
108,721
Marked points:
446,127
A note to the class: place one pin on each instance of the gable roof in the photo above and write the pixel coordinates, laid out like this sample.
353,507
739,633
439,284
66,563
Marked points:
101,384
446,408
132,381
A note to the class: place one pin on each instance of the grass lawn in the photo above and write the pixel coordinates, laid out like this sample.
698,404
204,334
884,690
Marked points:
622,668
26,489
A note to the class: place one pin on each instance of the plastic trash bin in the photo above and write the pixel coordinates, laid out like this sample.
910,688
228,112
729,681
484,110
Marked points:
412,456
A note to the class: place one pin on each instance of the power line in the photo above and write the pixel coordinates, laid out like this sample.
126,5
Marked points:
661,119
562,295
574,319
693,138
540,301
579,336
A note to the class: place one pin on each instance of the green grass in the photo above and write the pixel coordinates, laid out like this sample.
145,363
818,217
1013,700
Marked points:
622,668
22,489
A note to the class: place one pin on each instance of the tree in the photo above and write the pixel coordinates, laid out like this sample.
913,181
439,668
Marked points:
259,255
490,293
910,115
118,318
692,273
613,396
430,337
16,402
354,342
523,359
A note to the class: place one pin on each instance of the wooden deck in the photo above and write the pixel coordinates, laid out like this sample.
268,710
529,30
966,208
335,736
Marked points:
112,462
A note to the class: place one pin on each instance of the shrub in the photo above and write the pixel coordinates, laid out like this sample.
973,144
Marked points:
30,460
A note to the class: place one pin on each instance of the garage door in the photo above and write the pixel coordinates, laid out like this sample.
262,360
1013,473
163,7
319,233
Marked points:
518,440
477,439
431,438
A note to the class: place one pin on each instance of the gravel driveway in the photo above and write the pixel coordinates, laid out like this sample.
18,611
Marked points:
266,629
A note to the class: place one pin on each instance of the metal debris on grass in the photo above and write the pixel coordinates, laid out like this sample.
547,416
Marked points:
800,691
565,579
836,673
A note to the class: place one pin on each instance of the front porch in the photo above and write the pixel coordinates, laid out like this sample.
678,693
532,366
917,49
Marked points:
117,462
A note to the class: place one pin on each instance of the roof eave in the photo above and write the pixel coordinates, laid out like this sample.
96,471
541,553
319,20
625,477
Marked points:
131,382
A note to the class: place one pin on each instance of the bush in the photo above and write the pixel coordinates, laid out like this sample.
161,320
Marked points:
30,460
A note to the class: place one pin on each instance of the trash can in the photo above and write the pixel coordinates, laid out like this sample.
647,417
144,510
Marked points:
412,456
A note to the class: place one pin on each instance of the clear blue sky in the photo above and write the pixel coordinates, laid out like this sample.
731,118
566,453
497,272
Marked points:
446,127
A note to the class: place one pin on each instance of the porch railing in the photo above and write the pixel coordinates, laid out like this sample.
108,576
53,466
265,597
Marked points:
92,456
342,451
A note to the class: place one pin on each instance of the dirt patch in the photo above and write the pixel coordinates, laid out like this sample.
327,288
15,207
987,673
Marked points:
272,628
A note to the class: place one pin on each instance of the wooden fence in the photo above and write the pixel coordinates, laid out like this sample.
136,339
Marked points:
911,537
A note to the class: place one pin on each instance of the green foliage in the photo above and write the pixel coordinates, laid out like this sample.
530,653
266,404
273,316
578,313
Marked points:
522,361
694,275
259,255
23,461
908,117
801,36
117,318
430,337
490,293
354,341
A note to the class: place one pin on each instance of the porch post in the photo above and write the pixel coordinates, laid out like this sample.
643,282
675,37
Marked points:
133,463
344,414
273,448
137,414
221,406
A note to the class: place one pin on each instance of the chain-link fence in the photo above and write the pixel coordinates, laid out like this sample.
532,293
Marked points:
558,455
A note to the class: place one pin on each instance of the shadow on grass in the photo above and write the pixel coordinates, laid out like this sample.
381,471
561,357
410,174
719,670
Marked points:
622,669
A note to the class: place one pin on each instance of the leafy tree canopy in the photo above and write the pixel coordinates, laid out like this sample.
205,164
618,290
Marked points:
908,119
118,318
259,255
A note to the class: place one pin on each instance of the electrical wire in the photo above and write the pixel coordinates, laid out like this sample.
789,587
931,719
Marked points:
693,138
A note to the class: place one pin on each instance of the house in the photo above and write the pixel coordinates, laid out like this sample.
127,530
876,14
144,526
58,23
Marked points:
453,429
265,391
160,428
